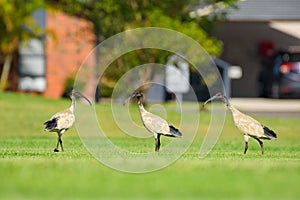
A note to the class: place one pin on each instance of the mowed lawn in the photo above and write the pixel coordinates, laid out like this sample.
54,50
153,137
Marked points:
29,169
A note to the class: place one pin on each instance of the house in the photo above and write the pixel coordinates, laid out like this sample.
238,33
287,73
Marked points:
45,65
254,31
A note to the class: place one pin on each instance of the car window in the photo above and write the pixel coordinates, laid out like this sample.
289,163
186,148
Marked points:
294,57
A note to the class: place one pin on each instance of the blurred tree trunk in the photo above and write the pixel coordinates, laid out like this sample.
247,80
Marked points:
16,24
5,71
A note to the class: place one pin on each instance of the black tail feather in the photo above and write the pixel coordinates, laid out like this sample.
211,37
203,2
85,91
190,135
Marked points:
51,124
175,132
268,133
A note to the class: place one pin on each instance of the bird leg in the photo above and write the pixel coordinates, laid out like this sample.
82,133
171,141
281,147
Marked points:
157,142
261,145
56,149
246,138
246,147
60,142
59,138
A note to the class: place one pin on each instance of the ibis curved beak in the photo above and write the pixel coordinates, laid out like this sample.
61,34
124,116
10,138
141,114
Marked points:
81,95
218,96
210,99
128,99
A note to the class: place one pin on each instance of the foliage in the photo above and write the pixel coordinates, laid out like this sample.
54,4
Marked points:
68,86
16,24
110,17
208,22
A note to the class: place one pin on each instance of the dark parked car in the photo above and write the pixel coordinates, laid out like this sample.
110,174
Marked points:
280,76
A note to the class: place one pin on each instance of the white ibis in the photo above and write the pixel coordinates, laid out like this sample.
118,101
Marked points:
62,121
246,124
155,124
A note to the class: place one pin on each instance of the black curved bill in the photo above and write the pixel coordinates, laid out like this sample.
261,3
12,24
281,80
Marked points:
81,95
210,99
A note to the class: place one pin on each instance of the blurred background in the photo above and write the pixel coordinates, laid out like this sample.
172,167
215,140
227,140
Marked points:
255,44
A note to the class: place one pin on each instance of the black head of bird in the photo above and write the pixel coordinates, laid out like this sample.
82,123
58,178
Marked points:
136,94
219,95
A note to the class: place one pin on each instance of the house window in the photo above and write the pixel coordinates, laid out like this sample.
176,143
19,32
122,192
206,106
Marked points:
32,67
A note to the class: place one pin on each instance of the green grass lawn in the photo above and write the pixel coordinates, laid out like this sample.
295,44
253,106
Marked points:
29,169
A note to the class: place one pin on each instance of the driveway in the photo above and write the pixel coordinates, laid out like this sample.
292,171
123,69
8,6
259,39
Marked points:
268,107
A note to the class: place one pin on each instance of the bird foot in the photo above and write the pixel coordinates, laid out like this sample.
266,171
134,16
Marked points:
56,150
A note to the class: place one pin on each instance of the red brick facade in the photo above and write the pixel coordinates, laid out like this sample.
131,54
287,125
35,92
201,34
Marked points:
72,40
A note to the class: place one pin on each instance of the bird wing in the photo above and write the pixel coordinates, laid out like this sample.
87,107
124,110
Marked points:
51,124
175,132
156,124
248,125
65,119
268,133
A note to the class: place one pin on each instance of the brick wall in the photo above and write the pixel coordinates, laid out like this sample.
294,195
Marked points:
66,48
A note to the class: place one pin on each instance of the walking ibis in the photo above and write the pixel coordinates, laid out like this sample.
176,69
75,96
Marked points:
153,123
246,124
62,121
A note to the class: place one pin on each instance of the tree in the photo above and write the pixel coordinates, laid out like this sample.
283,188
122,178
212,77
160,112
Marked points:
16,24
110,17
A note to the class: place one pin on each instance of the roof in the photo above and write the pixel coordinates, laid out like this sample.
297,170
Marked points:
265,10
